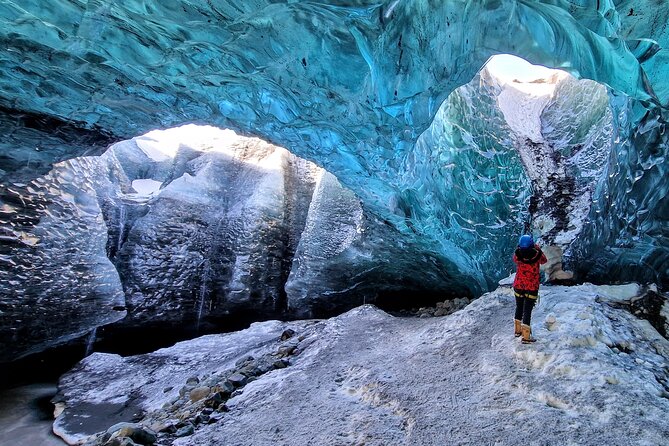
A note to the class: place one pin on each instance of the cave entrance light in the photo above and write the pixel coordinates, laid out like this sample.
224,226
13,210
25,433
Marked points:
519,147
535,80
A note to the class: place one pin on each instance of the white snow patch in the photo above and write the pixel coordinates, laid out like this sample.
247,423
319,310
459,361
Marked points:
146,187
522,111
508,281
619,293
526,90
157,152
163,145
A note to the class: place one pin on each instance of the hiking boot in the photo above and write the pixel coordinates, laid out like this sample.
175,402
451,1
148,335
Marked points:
526,331
516,328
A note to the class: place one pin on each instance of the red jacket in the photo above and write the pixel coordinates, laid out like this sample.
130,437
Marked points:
527,273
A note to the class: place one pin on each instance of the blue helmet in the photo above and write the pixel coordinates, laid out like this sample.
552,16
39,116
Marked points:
526,241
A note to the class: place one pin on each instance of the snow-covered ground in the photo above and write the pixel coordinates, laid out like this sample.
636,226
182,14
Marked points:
597,376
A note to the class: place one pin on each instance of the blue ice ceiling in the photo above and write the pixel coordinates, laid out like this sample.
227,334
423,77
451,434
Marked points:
352,85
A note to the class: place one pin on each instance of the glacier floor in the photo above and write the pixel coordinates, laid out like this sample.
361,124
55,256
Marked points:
597,375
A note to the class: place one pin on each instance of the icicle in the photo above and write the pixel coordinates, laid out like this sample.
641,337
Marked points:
203,293
121,227
91,341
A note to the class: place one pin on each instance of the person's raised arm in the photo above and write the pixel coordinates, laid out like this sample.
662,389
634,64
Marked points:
543,256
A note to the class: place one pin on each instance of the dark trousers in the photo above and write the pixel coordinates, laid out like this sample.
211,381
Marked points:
524,306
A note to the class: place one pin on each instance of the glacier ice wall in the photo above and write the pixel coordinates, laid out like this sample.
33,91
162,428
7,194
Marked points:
197,236
32,143
463,155
348,257
217,237
526,156
625,236
56,281
169,233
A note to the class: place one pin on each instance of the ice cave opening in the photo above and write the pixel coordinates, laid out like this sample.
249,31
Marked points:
402,155
188,231
195,229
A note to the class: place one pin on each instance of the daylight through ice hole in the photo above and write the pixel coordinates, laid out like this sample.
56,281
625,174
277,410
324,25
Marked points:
196,229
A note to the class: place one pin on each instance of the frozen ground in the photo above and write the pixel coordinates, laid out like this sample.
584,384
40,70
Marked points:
598,375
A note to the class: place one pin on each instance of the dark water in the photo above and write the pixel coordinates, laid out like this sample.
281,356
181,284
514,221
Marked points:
26,415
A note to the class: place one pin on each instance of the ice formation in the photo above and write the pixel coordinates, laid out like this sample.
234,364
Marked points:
192,229
56,280
362,89
351,86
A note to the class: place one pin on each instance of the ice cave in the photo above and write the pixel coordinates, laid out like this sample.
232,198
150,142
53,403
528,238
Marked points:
222,221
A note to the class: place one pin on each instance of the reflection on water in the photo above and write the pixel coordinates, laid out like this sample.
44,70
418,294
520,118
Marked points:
26,414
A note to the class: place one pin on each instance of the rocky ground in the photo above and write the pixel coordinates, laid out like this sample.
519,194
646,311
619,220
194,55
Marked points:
598,375
440,309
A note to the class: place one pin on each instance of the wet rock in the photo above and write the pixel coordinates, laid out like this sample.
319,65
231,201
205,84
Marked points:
200,419
165,428
121,426
286,350
139,435
652,306
265,365
216,416
226,387
193,381
280,364
185,390
242,362
237,379
185,431
287,334
121,441
216,400
198,393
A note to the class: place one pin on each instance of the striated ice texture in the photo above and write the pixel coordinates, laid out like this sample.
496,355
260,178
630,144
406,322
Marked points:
196,233
56,281
352,86
217,235
625,237
348,257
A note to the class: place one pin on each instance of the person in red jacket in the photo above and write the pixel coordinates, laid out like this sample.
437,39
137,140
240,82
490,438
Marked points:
528,257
